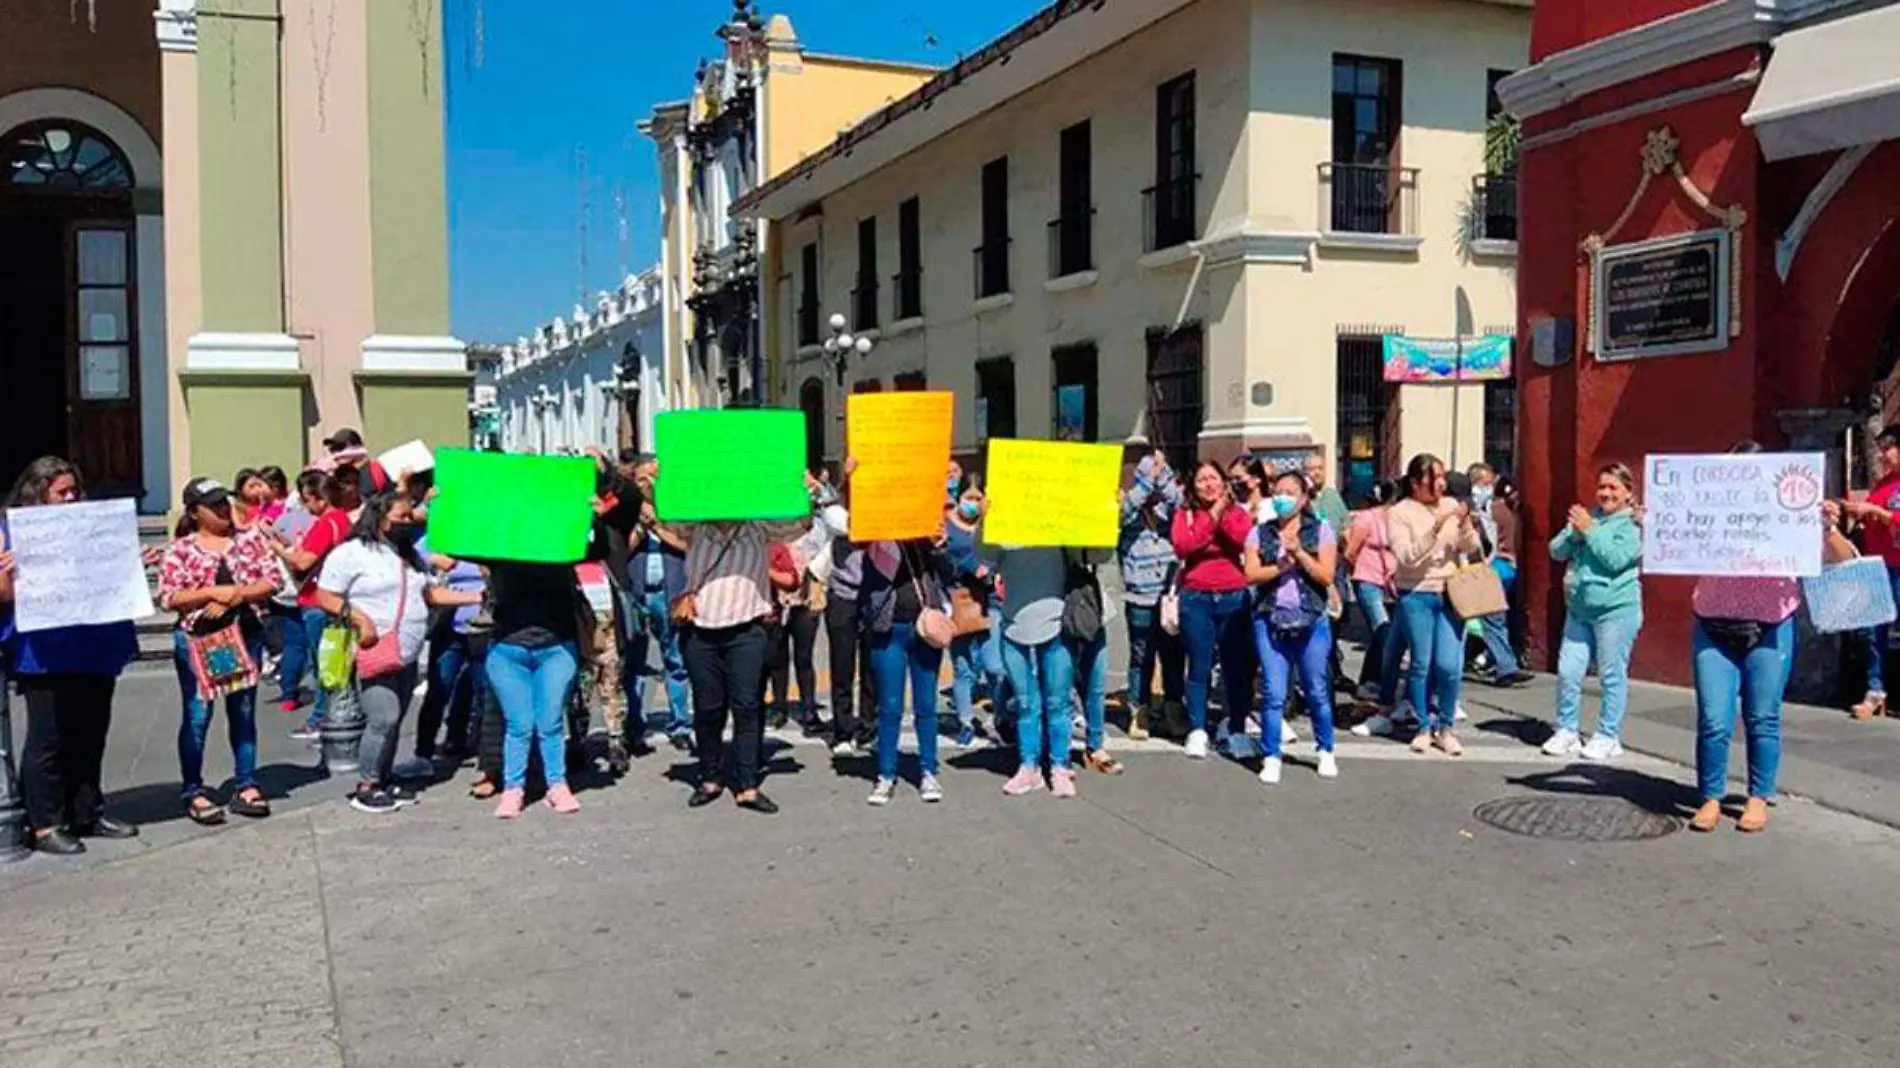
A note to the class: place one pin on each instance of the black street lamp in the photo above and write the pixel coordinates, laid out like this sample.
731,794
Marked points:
838,349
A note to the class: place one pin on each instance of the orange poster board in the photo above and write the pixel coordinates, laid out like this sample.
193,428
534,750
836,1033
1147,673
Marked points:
902,444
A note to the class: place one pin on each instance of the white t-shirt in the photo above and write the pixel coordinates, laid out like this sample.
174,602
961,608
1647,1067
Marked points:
372,576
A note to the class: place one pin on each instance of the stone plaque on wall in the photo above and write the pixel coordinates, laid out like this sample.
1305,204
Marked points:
1664,297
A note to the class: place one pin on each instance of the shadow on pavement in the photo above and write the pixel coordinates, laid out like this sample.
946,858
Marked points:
1664,797
150,804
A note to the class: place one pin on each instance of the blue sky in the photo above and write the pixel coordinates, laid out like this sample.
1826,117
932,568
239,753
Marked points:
544,80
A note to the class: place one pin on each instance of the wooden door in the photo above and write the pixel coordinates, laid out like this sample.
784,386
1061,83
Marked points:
102,406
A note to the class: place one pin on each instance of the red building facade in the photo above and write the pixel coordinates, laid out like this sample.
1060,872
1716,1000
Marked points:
1650,119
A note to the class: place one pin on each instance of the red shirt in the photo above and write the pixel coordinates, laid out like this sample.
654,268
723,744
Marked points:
1211,554
1879,537
330,530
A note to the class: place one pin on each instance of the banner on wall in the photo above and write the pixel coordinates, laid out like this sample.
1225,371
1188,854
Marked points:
1419,360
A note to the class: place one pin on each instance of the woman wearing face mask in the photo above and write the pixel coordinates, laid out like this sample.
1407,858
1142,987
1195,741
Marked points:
1429,532
343,503
216,577
375,582
1603,548
973,657
1210,537
67,676
1291,559
1149,567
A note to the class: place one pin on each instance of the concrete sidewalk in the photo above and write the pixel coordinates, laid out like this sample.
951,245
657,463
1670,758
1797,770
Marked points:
1827,756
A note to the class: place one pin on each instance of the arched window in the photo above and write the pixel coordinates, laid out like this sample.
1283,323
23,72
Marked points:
63,156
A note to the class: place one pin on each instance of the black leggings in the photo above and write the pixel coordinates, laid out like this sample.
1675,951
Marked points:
67,717
727,666
792,645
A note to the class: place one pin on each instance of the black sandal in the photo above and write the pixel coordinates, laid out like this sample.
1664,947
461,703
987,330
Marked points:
705,795
249,809
209,814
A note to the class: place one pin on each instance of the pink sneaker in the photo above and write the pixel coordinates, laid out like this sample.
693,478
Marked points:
1062,782
1025,781
509,806
562,800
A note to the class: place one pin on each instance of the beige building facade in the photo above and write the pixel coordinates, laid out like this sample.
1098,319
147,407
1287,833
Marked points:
1188,223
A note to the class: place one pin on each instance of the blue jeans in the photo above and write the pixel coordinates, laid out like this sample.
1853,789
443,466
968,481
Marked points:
1384,647
658,626
898,655
450,697
1497,626
314,620
1089,666
1216,624
1147,643
1758,679
240,715
298,656
532,686
1609,640
975,657
1432,631
1309,652
1874,643
1043,677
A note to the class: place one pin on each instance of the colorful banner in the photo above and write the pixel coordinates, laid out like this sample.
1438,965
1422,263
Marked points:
1053,493
901,442
730,463
1473,359
500,506
1729,514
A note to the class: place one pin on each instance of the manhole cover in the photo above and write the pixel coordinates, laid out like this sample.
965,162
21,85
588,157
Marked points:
1576,819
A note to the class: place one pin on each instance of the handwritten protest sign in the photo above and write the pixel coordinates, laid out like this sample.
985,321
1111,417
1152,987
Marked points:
77,564
1053,493
1733,514
902,444
730,463
413,457
495,506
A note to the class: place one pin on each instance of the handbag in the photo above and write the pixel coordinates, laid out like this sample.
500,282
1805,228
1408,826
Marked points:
967,612
1852,595
385,657
1476,591
933,623
336,653
1738,636
220,655
1170,602
1082,604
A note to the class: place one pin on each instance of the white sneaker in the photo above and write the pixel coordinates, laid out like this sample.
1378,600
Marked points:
1240,746
930,791
1270,771
1196,747
1459,715
1288,736
881,793
1564,743
1602,748
846,749
1377,725
1328,766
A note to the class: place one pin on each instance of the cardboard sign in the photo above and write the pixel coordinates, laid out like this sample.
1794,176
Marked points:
1726,514
496,506
1053,493
902,444
77,564
413,457
730,463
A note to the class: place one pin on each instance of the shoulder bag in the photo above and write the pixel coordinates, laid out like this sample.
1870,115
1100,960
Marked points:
221,661
1082,602
385,657
1476,591
934,625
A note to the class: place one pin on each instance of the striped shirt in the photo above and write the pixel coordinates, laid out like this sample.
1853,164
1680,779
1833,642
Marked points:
727,569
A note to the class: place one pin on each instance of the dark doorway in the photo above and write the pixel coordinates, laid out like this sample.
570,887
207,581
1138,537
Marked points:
811,398
32,340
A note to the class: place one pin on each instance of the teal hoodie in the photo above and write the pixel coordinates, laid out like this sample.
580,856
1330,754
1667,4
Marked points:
1603,579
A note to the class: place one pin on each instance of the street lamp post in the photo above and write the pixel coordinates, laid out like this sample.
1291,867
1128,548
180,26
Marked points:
12,812
838,349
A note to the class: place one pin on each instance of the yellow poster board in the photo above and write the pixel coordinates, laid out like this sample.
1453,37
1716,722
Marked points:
902,444
1053,493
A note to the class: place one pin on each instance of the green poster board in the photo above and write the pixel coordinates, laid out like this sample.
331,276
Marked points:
730,463
496,506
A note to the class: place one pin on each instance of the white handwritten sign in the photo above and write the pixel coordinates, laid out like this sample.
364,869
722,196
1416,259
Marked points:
1733,514
77,564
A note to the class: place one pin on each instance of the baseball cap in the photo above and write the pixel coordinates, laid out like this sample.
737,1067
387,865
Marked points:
204,491
346,438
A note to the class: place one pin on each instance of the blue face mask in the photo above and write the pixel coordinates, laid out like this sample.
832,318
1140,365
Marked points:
1284,506
950,487
968,509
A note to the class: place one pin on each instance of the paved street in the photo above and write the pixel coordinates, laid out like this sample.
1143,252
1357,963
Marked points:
1181,914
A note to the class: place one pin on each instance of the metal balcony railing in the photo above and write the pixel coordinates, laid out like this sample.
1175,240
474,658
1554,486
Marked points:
1369,198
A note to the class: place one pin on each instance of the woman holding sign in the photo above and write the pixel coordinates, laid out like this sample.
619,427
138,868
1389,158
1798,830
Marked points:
903,599
67,676
1210,537
1603,548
